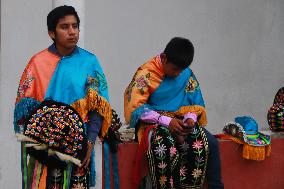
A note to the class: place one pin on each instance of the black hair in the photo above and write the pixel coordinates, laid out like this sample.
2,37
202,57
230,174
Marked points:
180,52
58,13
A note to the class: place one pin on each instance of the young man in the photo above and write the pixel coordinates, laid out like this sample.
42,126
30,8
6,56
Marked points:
164,103
66,74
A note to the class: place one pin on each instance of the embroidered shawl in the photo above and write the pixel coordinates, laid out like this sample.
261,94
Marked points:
77,80
151,89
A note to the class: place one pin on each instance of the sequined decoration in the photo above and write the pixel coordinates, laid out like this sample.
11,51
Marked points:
58,126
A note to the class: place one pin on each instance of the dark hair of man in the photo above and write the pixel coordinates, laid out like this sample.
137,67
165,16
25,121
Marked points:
180,52
58,13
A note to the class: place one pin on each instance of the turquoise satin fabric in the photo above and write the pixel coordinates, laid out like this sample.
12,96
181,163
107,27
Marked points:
171,94
70,79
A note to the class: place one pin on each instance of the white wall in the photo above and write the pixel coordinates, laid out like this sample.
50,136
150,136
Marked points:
238,61
239,48
23,25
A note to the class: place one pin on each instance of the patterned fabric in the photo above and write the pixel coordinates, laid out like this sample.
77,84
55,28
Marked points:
76,80
79,180
57,126
192,85
275,115
279,97
56,178
25,84
113,136
173,164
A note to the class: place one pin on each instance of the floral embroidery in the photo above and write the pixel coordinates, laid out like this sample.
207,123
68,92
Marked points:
26,84
197,144
178,165
93,83
161,150
162,165
195,131
199,159
192,85
163,180
141,83
130,86
158,138
198,147
182,171
173,151
97,82
196,173
184,146
172,181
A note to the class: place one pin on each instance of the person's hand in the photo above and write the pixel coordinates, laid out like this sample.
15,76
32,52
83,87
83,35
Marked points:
189,124
86,161
176,127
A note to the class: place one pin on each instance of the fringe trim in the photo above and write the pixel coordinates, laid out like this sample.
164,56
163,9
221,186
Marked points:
93,101
37,175
67,158
198,110
22,109
38,146
140,133
250,152
24,138
257,153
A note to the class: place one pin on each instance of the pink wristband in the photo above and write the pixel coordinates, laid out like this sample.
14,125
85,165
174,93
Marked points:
154,117
164,120
190,115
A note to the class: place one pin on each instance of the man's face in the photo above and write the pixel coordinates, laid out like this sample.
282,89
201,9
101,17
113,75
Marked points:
170,69
66,33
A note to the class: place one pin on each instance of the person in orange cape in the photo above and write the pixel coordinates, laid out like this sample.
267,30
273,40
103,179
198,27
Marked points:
163,102
66,76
